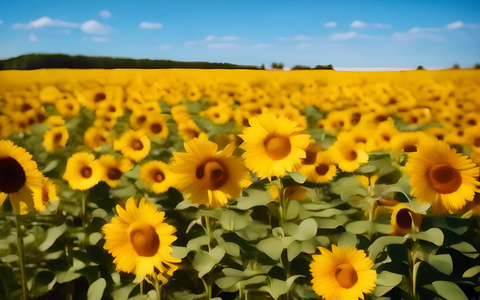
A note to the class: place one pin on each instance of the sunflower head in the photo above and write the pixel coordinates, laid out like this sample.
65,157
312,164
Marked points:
343,273
273,145
140,241
83,171
134,145
405,220
156,175
441,176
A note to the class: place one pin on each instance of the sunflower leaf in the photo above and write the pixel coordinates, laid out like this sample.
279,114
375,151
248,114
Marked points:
471,272
441,262
387,278
254,198
449,290
272,247
379,244
347,239
297,177
433,235
53,234
95,291
359,227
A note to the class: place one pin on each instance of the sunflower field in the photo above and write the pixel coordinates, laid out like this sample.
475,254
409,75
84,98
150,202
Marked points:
239,184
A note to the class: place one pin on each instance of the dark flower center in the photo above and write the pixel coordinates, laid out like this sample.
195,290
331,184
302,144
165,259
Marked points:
159,176
212,175
444,178
99,97
86,172
145,240
137,145
156,128
410,148
12,175
321,169
114,174
346,275
404,218
277,147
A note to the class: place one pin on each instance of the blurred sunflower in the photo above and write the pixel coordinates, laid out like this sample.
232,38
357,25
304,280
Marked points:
134,145
114,168
4,126
48,193
157,176
343,273
156,125
404,220
83,171
55,139
322,170
140,241
273,145
20,178
96,137
189,130
67,105
208,176
348,154
441,176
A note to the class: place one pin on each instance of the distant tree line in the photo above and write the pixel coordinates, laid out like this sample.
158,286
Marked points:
40,61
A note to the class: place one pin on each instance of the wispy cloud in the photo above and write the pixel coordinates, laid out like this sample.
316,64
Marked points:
105,13
100,39
417,35
163,47
303,46
227,38
32,37
1,22
95,27
149,25
330,24
302,37
343,36
222,45
44,22
360,24
262,45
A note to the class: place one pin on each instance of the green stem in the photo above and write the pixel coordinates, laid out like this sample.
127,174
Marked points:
158,288
413,266
208,232
282,203
208,288
84,208
141,287
21,258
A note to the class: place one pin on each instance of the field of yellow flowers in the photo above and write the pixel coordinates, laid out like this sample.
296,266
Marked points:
236,184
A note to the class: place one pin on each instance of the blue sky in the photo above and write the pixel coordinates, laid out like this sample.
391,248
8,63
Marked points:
346,34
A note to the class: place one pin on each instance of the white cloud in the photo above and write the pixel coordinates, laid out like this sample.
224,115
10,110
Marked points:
303,46
105,13
417,35
163,47
43,22
32,37
222,45
301,37
100,39
330,24
1,22
343,36
228,38
65,31
190,43
149,25
455,25
381,26
262,45
95,27
358,24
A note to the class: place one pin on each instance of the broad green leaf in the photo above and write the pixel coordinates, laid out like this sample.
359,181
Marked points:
204,261
379,244
292,279
306,230
441,262
95,291
433,235
449,290
227,282
53,234
272,247
471,272
124,192
122,293
297,177
254,198
68,275
464,247
180,252
50,166
387,278
293,250
233,221
275,288
198,242
359,227
347,239
230,248
293,208
94,238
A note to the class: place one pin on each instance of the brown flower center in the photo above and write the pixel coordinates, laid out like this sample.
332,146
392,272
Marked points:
144,240
352,155
321,169
444,178
212,175
477,142
410,148
57,137
156,128
12,175
137,145
346,275
404,218
310,157
99,97
277,147
86,172
114,174
159,176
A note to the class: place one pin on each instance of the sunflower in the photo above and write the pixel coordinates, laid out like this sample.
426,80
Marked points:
4,126
114,168
20,178
208,176
348,154
404,220
83,171
441,176
55,139
67,106
96,137
48,193
322,170
134,145
156,126
157,176
344,273
273,145
140,241
189,130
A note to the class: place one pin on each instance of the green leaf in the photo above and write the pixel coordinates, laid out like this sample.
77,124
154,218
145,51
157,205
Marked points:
123,293
292,279
387,278
359,227
50,166
197,243
464,247
449,290
433,235
204,261
471,272
68,275
233,221
124,192
293,250
275,288
441,262
379,244
53,234
179,252
272,247
297,177
347,239
254,198
293,208
230,248
95,291
306,230
225,283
